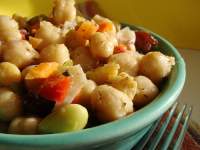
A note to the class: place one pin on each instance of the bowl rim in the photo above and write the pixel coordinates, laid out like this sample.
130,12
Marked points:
111,130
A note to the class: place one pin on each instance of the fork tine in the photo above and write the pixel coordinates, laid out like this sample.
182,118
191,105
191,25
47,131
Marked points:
145,139
180,139
161,131
173,130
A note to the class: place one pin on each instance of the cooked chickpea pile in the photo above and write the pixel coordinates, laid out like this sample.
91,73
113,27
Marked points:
57,71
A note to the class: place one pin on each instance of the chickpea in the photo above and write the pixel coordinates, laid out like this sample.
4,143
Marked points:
25,71
138,55
84,95
64,10
126,84
156,66
99,20
110,104
10,104
9,73
102,45
35,42
128,62
55,53
83,57
49,34
9,29
22,125
20,53
87,89
104,74
146,91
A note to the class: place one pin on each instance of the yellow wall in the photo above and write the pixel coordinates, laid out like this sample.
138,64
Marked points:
177,20
25,7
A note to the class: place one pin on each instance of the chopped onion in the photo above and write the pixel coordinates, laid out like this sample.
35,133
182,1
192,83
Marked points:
126,36
78,80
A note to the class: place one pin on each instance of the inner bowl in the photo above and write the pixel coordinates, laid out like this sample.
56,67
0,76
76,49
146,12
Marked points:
129,129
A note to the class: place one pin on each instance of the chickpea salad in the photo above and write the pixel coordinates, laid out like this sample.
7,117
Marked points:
63,72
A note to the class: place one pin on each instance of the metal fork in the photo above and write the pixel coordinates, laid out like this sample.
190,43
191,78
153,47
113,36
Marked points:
150,142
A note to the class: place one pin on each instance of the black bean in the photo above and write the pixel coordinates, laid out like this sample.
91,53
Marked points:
34,104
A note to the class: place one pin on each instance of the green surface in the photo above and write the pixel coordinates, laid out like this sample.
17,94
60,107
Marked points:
101,136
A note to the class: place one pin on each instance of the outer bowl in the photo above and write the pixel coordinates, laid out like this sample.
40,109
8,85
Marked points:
120,134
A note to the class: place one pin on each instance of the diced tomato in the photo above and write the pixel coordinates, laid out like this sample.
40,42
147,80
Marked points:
55,88
145,41
120,48
105,26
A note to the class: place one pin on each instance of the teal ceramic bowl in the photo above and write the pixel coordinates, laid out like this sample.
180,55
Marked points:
121,134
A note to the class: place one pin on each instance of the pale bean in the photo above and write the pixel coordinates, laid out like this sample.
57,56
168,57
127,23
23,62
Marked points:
67,118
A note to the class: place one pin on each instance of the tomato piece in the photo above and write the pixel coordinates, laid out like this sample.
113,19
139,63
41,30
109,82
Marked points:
145,41
120,48
55,88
